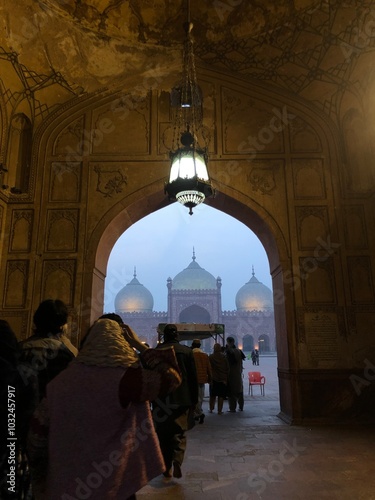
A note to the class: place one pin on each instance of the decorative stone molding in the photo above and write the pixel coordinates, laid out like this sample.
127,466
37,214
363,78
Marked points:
308,179
62,230
16,281
58,280
355,227
109,182
65,184
360,279
317,280
312,226
21,231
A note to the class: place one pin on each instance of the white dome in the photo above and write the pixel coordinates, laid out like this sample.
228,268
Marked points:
254,296
194,277
134,297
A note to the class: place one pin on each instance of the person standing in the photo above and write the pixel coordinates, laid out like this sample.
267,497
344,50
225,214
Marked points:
257,357
99,441
48,351
235,358
170,414
219,384
203,366
253,357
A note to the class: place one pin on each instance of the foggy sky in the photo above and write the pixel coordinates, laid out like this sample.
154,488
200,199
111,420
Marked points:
161,245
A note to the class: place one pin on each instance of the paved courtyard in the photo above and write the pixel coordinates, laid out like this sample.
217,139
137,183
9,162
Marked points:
254,455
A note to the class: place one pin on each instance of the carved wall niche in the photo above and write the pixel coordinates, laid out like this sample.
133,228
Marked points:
70,140
355,227
165,126
2,128
359,154
308,179
317,280
122,126
209,130
16,280
303,137
18,160
251,125
21,231
62,230
312,226
360,279
65,183
58,280
361,320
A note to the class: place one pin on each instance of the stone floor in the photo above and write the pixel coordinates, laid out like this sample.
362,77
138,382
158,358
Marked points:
254,455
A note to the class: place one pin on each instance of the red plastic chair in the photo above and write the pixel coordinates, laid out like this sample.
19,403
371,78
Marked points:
256,378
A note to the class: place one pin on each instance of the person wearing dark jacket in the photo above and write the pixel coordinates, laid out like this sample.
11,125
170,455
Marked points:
47,352
171,414
235,358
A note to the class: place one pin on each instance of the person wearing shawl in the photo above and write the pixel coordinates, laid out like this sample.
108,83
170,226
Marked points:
97,419
48,351
220,372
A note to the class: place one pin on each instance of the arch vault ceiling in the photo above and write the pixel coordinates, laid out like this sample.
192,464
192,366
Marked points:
53,50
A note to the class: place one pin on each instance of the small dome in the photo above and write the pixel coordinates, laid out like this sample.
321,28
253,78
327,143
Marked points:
134,297
254,296
194,277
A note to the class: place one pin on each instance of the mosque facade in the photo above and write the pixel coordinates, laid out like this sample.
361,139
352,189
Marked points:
194,296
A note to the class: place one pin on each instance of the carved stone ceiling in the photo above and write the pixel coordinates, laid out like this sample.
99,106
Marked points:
56,49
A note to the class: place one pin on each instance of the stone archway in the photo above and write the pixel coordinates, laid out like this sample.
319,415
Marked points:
242,208
194,314
248,343
278,191
264,343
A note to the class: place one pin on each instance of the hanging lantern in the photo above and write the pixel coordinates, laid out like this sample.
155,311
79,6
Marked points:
189,182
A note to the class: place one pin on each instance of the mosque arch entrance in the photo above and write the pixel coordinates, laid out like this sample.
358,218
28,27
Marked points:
194,314
113,225
248,343
264,343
